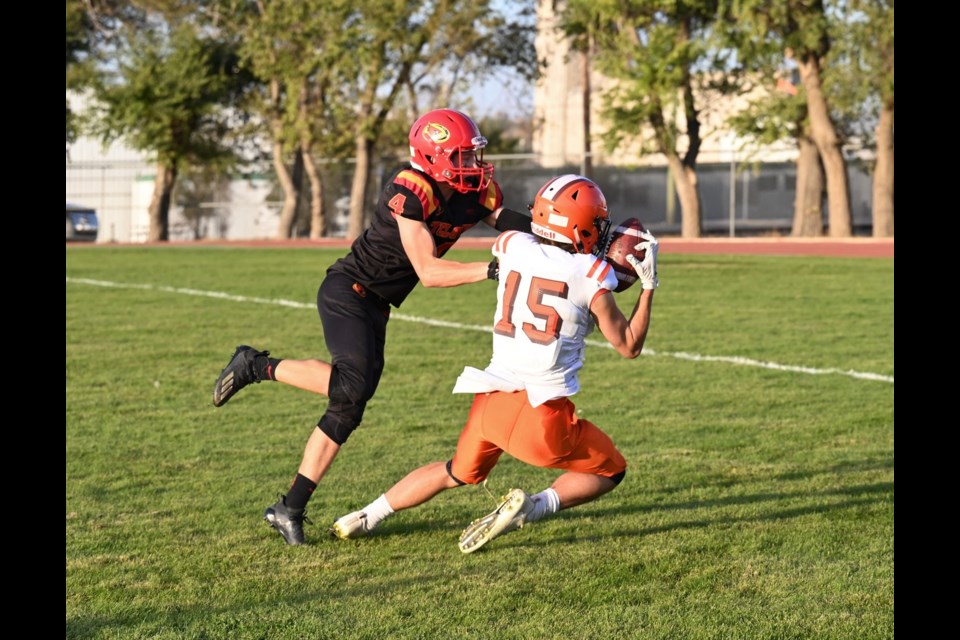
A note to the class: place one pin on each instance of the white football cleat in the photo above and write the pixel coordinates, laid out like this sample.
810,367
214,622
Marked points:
511,514
352,525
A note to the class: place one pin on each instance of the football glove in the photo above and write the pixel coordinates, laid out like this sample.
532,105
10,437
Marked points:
647,268
493,270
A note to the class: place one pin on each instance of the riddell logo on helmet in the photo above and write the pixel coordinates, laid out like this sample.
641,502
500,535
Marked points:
545,232
435,133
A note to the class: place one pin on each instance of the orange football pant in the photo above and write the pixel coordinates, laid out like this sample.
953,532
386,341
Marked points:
549,436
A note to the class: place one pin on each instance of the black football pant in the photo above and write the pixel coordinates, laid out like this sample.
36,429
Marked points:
355,329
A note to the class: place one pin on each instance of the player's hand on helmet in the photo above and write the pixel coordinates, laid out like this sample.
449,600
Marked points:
647,268
493,270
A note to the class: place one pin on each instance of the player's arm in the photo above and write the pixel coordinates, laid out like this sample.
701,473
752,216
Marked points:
433,271
628,336
504,219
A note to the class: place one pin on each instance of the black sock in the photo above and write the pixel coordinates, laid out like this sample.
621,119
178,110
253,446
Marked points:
300,492
267,367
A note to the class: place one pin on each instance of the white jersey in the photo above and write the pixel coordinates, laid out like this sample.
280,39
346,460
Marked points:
542,319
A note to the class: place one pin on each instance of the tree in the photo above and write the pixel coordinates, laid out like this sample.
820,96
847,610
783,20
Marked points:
865,58
91,27
402,44
651,49
778,115
167,95
300,49
802,28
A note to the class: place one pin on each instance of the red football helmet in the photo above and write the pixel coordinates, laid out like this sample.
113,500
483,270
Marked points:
571,209
438,140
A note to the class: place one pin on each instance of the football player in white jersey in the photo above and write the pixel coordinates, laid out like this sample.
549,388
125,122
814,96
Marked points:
553,289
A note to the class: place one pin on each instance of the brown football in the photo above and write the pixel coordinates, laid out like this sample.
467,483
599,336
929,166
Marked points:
623,238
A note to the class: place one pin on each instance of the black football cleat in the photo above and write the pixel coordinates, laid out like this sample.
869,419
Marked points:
288,522
238,373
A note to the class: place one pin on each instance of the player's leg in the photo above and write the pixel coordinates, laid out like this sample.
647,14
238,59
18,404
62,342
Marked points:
355,334
472,462
417,487
551,436
494,418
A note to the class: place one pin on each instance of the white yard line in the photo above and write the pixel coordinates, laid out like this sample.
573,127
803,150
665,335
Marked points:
680,355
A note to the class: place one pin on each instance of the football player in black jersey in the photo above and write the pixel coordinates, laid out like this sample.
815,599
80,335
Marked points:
423,210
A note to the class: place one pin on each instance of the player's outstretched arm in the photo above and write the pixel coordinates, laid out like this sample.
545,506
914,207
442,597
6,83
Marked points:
625,335
433,271
628,336
504,219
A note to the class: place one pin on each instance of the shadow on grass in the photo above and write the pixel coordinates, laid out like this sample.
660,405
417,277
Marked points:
426,523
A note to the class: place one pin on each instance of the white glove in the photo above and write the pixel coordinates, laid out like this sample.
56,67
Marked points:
647,268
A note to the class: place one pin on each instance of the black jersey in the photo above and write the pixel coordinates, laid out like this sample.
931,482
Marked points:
377,259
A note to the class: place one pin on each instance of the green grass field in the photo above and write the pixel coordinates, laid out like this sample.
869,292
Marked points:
758,501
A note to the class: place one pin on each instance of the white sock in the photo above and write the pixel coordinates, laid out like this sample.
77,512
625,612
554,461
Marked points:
377,510
545,503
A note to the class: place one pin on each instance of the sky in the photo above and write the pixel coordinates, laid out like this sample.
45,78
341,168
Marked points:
505,92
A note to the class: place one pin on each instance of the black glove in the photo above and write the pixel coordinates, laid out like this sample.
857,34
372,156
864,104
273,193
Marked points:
493,270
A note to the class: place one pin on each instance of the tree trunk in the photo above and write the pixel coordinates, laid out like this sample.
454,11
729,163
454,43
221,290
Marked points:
290,196
686,180
824,134
808,205
587,164
160,203
883,176
288,213
358,190
317,229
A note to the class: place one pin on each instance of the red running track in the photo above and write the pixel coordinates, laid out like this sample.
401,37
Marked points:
837,247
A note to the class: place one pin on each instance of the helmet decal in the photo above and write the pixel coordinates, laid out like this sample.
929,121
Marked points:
436,133
557,220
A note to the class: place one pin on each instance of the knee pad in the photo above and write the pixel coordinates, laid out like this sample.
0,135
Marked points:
340,427
347,386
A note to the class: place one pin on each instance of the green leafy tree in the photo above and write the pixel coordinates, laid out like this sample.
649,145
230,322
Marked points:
91,27
863,81
167,95
300,51
776,111
406,44
658,53
802,28
335,74
782,115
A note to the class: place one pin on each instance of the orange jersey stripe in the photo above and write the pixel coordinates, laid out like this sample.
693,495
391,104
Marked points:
604,272
502,239
420,188
593,268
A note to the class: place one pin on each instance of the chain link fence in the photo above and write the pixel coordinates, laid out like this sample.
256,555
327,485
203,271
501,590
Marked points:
737,199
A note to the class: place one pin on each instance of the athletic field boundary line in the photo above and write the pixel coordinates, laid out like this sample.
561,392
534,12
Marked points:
679,355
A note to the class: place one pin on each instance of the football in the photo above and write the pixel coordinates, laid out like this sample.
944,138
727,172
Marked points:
623,238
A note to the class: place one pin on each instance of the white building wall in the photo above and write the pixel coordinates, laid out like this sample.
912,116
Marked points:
118,182
103,178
